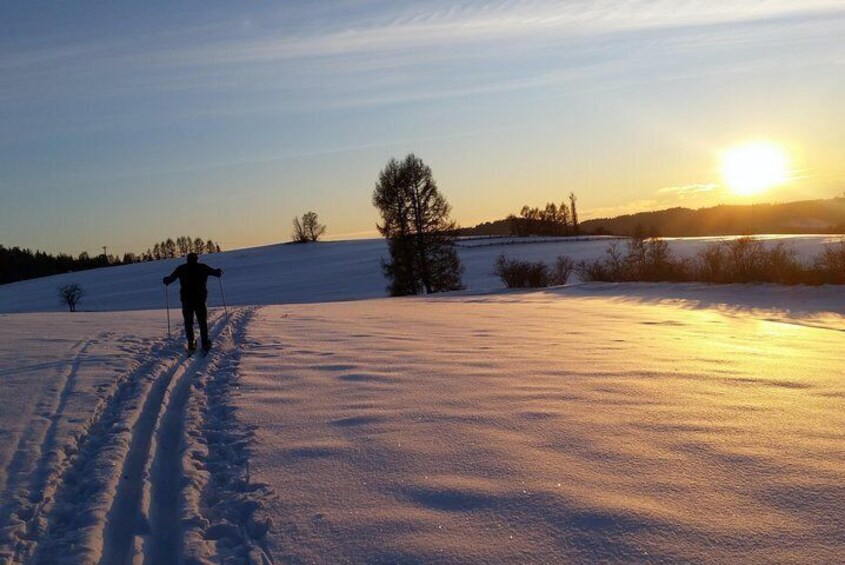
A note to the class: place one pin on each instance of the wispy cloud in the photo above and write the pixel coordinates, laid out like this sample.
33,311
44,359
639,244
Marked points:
689,189
435,26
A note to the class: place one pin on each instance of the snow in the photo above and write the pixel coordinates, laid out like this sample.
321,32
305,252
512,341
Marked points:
322,272
592,422
545,427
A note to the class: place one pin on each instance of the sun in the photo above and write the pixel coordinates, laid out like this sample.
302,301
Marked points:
754,167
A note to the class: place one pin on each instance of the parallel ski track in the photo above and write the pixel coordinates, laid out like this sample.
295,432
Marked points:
154,456
116,495
83,485
91,480
168,474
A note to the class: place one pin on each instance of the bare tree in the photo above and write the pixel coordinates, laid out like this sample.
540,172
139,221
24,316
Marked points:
70,295
308,228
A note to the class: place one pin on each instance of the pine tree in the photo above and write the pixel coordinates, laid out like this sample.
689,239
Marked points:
415,221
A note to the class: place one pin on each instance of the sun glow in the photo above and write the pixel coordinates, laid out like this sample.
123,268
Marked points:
752,168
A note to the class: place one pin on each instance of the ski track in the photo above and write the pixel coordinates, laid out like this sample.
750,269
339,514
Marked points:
126,487
33,476
223,510
85,490
126,518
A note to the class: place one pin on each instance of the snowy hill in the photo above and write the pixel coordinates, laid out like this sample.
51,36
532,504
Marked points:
322,272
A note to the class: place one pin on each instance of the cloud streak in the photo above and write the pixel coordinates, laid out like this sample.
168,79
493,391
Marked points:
689,189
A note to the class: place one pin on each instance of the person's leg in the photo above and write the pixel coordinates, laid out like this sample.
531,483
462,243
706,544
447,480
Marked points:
188,315
202,320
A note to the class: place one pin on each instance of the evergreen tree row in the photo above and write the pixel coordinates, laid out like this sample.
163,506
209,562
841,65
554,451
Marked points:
17,264
168,249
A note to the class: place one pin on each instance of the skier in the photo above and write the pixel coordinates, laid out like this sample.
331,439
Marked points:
192,278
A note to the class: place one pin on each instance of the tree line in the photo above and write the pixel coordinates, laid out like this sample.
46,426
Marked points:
169,248
18,264
808,216
552,220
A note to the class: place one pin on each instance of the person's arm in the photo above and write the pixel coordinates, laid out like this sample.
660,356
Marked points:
172,276
213,272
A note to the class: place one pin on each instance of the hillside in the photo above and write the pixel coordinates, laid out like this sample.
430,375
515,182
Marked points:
804,217
321,272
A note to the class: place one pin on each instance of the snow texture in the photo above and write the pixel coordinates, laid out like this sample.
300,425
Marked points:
593,422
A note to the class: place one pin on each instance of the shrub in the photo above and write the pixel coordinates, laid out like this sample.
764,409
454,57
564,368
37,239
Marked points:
712,263
518,273
743,260
830,265
560,272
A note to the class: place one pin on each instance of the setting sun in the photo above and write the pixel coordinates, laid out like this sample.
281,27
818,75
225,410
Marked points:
754,167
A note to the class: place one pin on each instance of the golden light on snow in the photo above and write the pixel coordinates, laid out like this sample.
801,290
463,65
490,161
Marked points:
754,167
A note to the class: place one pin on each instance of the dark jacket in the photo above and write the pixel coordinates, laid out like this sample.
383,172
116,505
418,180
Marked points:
192,278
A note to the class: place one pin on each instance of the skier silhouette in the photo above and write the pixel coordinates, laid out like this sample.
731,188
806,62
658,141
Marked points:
192,278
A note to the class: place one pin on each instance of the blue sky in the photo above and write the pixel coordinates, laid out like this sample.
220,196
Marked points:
123,123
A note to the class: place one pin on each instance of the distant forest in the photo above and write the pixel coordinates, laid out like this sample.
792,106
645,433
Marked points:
809,216
18,264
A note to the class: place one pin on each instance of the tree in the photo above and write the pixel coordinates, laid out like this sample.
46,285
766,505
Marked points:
209,246
199,246
563,213
573,212
184,245
308,228
415,221
169,249
70,295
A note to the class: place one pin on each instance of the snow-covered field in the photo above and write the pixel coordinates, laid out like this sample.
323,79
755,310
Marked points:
600,422
323,272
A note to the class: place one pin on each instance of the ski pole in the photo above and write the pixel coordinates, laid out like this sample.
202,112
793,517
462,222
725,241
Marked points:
167,303
225,310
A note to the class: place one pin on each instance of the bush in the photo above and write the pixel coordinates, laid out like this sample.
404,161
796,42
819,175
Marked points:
518,273
830,265
743,260
561,271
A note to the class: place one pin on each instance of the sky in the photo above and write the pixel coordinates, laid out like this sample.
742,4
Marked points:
124,123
